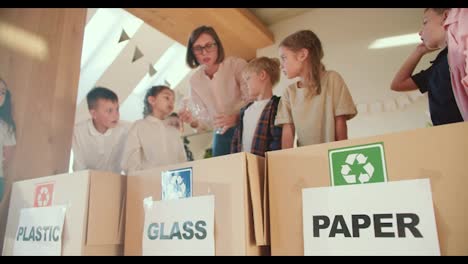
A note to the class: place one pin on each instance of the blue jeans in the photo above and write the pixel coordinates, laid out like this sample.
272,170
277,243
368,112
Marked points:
222,143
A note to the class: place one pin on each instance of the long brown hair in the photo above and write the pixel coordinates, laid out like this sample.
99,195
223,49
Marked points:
306,39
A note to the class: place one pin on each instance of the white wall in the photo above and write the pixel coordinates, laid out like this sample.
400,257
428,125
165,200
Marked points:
346,34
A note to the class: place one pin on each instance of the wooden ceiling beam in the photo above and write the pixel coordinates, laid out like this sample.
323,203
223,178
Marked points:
241,32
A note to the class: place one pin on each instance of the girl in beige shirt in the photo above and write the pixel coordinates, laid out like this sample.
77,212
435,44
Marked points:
151,141
318,106
217,87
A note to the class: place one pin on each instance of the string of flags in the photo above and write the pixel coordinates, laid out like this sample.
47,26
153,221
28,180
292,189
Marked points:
390,105
123,36
152,71
138,54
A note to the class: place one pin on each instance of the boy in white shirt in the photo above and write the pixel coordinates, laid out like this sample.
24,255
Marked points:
256,131
98,142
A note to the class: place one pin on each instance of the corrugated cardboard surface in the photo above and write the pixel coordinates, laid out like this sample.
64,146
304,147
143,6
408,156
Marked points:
93,220
438,153
103,250
226,178
106,209
69,190
256,166
266,206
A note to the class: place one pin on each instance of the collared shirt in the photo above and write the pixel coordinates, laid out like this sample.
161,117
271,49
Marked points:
267,136
7,138
93,150
225,93
152,143
435,80
314,116
456,25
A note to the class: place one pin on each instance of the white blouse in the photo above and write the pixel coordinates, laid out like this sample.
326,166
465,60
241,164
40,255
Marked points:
152,143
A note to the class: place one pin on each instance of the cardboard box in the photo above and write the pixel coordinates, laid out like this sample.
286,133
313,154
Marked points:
235,180
95,215
438,153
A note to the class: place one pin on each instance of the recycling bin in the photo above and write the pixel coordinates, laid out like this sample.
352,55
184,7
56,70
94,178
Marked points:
438,153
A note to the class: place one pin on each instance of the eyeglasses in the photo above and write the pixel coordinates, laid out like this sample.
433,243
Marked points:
208,48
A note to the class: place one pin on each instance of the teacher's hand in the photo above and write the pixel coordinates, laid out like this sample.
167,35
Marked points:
225,122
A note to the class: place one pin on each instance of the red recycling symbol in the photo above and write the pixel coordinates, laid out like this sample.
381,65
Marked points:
43,195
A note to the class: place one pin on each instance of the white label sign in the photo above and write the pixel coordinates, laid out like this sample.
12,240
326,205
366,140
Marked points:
392,218
179,227
39,231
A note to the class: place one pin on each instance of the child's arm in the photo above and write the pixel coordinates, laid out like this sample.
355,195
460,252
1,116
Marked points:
132,156
344,108
78,163
276,131
402,81
285,121
287,139
341,129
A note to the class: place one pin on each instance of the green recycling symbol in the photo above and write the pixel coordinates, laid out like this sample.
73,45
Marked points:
360,159
357,164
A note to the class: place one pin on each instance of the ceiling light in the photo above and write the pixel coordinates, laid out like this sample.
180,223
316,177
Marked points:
395,41
23,41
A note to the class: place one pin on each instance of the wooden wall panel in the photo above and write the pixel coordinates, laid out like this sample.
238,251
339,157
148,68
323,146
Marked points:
44,89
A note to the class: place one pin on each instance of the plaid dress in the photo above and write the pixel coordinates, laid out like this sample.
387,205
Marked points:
267,136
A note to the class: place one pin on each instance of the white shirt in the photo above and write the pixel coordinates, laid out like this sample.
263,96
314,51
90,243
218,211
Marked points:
152,143
7,138
225,93
95,151
251,116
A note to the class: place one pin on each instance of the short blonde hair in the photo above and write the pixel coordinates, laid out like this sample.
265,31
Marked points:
270,65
